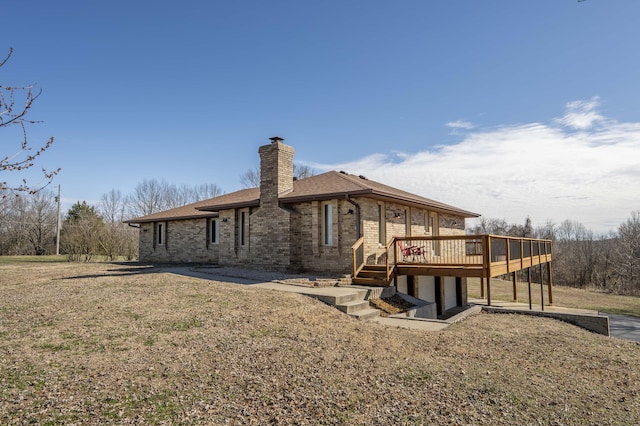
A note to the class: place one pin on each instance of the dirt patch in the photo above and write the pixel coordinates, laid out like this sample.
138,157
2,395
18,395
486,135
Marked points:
100,343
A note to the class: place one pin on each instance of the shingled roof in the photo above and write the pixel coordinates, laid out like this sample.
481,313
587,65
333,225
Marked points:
325,186
192,211
340,184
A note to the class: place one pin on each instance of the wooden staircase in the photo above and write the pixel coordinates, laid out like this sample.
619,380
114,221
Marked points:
372,275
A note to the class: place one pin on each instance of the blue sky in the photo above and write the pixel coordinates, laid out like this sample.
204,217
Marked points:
506,108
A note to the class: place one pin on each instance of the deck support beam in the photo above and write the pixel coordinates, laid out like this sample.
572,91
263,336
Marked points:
549,280
515,286
529,282
541,289
440,299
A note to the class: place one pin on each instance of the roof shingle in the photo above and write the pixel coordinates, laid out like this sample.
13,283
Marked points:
319,187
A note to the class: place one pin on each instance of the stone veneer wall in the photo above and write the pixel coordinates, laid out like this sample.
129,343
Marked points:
185,241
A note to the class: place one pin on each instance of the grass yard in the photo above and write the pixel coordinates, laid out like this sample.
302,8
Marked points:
104,343
562,296
12,260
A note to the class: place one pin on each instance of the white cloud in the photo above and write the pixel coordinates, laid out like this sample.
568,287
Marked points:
581,115
545,171
464,125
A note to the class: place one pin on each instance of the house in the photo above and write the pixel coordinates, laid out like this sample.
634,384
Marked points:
293,224
321,224
338,223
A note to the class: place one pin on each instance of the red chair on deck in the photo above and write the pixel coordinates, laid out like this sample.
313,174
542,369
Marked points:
413,251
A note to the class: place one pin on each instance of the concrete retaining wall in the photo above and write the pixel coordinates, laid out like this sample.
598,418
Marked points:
595,323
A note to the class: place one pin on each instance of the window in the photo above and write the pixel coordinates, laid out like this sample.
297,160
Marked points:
327,224
243,228
214,231
160,233
407,222
381,224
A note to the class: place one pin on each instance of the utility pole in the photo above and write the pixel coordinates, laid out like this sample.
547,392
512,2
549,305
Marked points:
58,224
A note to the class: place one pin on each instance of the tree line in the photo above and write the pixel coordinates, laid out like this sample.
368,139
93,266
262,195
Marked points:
581,258
28,223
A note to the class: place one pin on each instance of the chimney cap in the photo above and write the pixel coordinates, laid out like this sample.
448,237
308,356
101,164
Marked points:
276,139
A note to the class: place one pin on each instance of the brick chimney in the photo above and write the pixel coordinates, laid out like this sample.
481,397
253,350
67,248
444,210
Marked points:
270,228
276,171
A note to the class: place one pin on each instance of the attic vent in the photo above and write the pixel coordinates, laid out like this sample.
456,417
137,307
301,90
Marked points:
362,177
343,172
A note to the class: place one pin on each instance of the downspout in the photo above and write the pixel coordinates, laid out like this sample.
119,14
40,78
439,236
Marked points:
357,206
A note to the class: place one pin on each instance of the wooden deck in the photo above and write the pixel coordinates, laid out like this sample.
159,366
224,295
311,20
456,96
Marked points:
464,256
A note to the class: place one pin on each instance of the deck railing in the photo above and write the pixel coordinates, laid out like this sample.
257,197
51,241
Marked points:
499,253
357,250
493,254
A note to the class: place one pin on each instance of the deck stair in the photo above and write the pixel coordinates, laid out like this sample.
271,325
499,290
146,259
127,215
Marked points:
372,275
354,303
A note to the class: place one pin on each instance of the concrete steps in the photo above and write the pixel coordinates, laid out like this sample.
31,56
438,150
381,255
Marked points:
354,302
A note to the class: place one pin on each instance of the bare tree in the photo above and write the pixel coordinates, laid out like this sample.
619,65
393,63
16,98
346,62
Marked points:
118,239
251,178
491,226
27,224
81,233
627,261
39,221
148,197
151,196
206,191
15,104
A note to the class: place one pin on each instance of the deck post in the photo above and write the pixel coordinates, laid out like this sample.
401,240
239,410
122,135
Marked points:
488,267
541,289
482,287
461,291
508,256
549,283
529,281
440,298
515,287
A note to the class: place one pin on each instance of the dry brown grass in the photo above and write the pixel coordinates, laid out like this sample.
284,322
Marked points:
102,343
562,296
